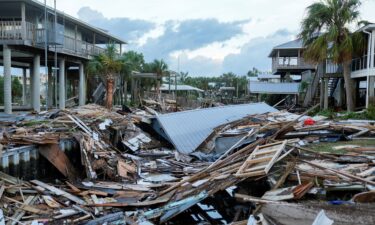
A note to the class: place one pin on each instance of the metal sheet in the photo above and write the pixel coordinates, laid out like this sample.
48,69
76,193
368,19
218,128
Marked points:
274,88
188,129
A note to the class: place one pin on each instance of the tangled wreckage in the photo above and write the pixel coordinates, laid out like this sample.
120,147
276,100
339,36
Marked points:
240,164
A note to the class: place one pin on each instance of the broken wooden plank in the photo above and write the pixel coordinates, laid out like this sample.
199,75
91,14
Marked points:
20,212
340,173
51,202
123,169
57,157
59,192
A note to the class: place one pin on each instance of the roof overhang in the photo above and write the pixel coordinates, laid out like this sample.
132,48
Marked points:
71,19
367,27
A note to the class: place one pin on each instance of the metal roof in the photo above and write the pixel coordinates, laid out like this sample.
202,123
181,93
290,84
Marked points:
273,88
180,87
295,44
291,44
187,130
268,76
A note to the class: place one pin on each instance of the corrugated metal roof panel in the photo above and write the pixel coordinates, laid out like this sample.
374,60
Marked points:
180,87
274,88
188,129
291,44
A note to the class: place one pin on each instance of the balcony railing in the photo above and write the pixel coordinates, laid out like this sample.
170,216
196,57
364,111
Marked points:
333,68
360,63
290,63
13,30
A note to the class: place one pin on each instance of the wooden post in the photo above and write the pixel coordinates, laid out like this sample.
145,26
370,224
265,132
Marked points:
326,93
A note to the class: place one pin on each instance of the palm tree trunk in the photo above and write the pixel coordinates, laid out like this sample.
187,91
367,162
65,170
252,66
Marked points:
349,89
126,91
158,88
109,99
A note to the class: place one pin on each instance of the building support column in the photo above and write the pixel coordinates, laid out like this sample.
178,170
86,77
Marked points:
371,91
50,87
66,83
24,87
36,84
31,69
62,84
81,89
325,93
7,60
321,93
23,20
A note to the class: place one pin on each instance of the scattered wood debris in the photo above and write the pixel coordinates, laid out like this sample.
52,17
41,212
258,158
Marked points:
124,171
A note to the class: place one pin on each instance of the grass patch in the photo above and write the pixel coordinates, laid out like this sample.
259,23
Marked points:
367,114
35,122
328,146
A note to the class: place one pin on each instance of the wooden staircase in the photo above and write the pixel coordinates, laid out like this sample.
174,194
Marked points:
332,84
312,93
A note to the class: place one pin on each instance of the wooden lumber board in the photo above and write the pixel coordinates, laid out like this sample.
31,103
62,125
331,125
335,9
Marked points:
261,159
2,188
57,157
59,192
20,212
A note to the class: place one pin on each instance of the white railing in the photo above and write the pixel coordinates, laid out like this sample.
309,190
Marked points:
360,63
13,30
289,63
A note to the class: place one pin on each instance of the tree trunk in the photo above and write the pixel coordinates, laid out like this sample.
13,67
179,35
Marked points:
158,89
349,89
126,91
109,99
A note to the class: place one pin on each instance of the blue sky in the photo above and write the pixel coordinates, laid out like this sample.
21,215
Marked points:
209,37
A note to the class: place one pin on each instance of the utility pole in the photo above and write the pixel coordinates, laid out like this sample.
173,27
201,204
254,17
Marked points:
46,51
55,70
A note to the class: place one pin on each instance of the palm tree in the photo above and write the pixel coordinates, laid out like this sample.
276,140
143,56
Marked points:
161,69
326,34
183,76
132,61
108,65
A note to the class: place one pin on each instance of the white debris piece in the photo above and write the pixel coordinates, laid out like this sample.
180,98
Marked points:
135,143
322,219
107,122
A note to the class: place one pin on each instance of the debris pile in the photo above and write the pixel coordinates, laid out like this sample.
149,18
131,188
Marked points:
139,167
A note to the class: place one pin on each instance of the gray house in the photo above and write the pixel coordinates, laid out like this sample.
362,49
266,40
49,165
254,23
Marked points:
288,59
24,31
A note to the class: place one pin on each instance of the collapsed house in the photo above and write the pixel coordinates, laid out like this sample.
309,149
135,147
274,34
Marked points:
232,164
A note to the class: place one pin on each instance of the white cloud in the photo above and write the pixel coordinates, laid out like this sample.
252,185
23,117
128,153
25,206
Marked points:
236,52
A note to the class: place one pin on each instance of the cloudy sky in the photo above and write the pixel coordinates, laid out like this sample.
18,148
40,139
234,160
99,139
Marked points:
207,37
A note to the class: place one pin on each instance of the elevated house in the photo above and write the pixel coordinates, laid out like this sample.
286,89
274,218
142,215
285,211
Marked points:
25,30
316,83
363,69
287,59
288,70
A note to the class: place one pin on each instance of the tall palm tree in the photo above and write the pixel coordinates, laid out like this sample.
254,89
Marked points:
326,34
161,69
132,61
108,65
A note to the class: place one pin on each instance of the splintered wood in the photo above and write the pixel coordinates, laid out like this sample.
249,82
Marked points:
261,160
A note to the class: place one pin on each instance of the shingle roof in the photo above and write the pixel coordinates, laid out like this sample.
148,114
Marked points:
188,129
273,88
